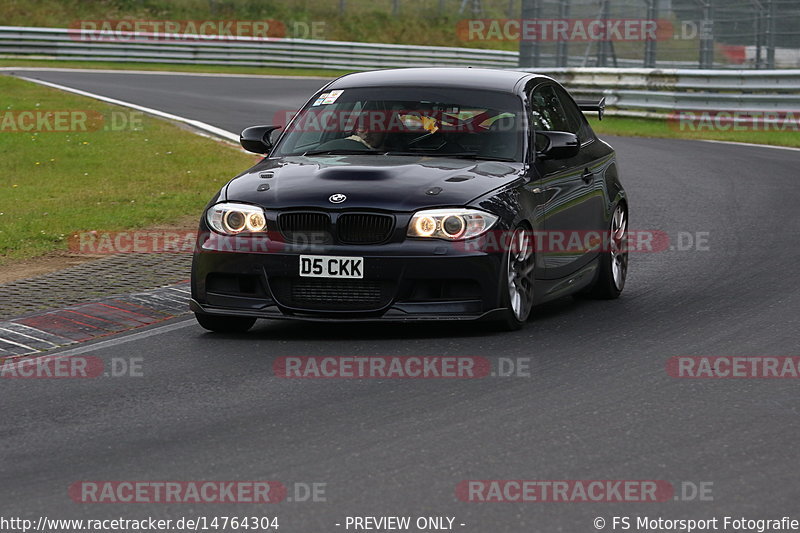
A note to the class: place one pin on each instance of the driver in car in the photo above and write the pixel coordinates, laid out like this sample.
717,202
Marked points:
365,136
371,139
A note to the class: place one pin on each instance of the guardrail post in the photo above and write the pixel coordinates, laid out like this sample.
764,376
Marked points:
562,48
650,52
530,51
758,32
605,44
707,35
772,19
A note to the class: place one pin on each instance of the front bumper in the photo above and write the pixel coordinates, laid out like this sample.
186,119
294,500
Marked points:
411,281
390,316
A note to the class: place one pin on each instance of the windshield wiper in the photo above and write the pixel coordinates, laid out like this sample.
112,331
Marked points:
341,152
470,155
459,155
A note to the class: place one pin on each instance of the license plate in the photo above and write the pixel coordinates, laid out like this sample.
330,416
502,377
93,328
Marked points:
328,266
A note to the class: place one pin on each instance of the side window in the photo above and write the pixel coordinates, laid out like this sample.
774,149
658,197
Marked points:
577,121
547,113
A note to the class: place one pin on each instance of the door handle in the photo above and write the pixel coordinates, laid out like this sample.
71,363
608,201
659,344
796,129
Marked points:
588,175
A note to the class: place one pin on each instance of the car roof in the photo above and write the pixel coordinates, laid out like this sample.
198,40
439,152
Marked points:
462,78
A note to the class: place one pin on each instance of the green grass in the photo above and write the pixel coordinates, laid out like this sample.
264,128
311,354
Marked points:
222,69
639,127
417,22
54,184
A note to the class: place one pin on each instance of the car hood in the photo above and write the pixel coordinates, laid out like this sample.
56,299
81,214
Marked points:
392,183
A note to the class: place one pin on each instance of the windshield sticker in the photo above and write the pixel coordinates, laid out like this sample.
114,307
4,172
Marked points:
331,97
321,98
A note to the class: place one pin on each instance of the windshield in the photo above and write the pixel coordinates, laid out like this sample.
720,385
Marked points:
437,122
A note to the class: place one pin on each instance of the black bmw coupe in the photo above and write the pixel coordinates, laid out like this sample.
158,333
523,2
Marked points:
416,194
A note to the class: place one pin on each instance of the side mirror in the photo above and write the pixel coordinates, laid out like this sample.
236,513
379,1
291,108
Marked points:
560,145
256,139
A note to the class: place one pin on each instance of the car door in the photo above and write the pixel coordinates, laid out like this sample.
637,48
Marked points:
573,200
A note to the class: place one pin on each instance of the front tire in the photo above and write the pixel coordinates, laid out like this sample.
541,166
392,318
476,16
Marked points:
517,276
225,324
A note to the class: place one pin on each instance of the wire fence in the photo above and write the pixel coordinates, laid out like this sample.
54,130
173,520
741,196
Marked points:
744,33
707,33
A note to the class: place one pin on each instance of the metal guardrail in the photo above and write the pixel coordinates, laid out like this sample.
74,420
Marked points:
634,91
644,91
61,43
65,44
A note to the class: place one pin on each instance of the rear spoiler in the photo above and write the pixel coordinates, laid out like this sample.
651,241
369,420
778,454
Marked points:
600,106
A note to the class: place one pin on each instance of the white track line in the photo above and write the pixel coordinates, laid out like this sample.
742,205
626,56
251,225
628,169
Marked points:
62,341
202,126
15,362
33,350
163,73
219,132
28,336
734,143
126,338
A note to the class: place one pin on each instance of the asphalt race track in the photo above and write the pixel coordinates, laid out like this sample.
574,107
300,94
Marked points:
598,403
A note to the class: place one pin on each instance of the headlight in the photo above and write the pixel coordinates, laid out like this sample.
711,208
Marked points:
450,224
232,218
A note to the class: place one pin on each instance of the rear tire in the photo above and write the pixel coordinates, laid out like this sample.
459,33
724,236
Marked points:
225,324
613,269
